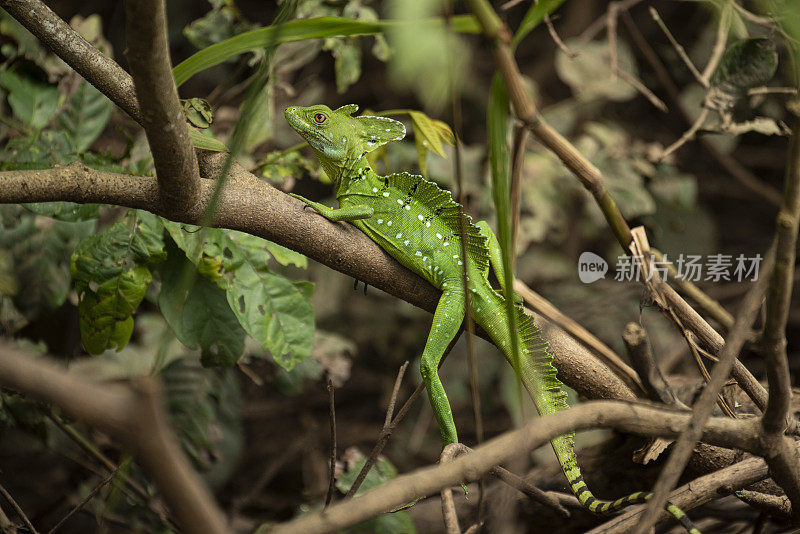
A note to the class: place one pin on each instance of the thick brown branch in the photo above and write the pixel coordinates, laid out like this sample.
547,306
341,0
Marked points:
696,493
66,43
162,117
253,206
641,419
135,416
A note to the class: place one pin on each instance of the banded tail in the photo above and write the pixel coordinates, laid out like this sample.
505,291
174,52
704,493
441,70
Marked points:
539,378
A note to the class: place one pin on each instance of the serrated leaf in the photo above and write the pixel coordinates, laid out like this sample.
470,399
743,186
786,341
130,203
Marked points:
40,249
32,102
197,311
65,211
428,136
588,74
347,61
271,308
204,407
206,142
746,63
111,273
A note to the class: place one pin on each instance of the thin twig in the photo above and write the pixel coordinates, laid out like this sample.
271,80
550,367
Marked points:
704,406
597,26
548,22
678,48
643,89
449,514
719,45
783,459
638,347
75,509
386,432
612,15
332,466
135,416
517,161
7,496
687,136
728,163
546,309
395,390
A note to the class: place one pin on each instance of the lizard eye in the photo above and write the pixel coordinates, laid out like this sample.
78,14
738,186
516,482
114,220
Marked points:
319,118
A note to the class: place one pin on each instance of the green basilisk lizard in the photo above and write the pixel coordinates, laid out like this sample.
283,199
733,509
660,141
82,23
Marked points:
418,224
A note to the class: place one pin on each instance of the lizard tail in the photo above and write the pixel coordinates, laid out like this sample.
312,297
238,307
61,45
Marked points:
539,378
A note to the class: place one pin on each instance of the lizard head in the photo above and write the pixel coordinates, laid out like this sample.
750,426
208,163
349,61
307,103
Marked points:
337,135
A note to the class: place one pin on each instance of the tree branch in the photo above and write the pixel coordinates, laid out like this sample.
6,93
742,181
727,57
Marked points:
251,205
162,117
696,493
781,455
135,416
704,405
636,418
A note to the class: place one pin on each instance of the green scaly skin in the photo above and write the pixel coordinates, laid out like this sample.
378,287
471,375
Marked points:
418,224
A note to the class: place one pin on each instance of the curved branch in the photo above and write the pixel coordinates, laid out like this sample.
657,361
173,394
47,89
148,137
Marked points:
636,418
167,134
696,493
251,205
133,415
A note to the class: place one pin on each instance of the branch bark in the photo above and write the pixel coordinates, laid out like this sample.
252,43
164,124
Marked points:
635,418
162,118
696,493
135,416
251,205
704,405
782,456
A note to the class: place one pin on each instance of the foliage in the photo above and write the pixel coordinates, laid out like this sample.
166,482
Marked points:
194,305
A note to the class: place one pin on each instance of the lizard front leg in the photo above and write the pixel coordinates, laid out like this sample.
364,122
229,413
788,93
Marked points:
347,214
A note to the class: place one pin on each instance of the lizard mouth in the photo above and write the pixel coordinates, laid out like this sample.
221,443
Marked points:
294,116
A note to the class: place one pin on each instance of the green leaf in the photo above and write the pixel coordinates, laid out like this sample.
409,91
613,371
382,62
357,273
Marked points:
429,135
198,312
32,102
40,249
747,63
497,120
588,75
198,112
219,24
533,18
86,116
381,472
272,309
111,273
297,30
204,141
204,408
65,211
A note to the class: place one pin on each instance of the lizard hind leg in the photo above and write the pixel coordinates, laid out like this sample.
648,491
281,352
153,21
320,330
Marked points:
446,323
